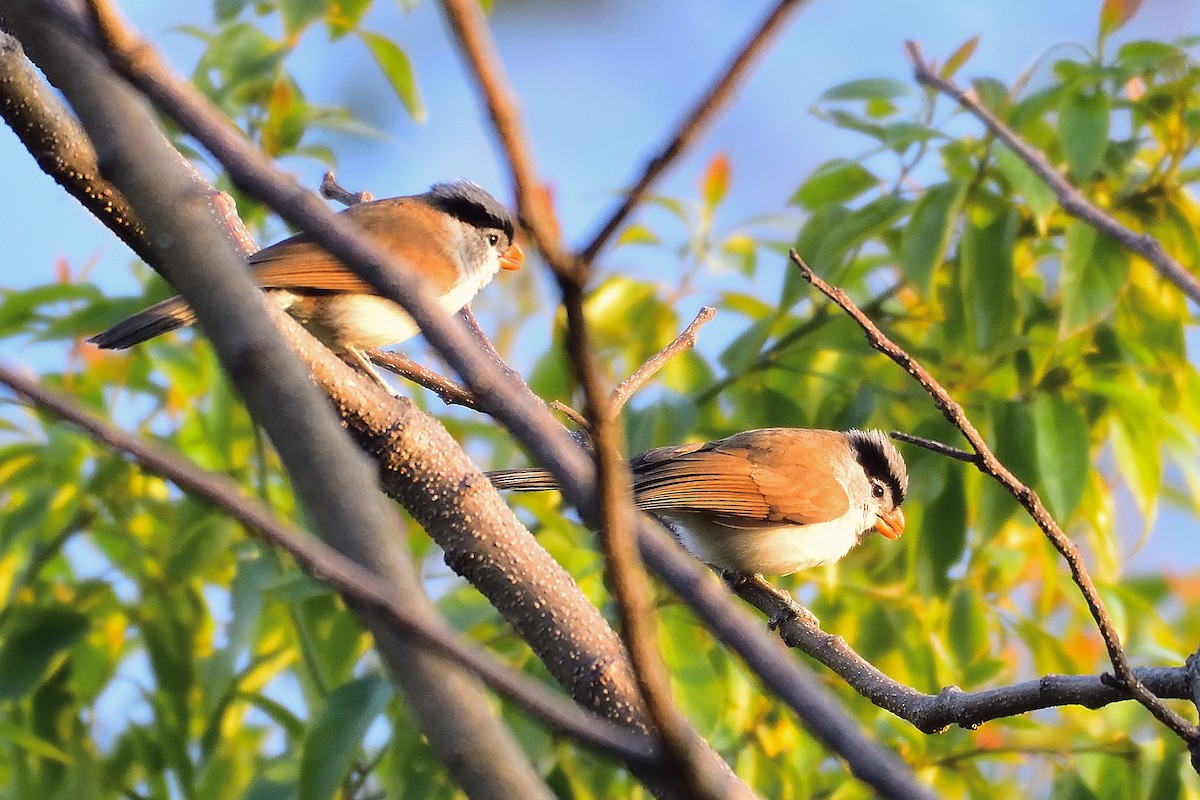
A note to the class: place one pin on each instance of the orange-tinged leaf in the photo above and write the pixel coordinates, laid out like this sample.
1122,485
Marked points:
959,57
716,180
1115,13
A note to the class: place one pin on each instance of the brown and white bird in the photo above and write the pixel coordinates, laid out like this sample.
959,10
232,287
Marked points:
773,500
456,236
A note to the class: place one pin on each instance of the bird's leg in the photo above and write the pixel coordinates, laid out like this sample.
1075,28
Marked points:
356,357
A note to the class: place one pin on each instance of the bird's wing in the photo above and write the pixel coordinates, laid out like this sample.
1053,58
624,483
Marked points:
298,263
745,479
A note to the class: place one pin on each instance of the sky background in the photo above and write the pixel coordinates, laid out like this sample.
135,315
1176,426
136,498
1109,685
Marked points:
601,85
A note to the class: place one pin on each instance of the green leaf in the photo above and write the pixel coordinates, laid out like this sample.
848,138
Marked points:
1083,120
299,14
928,233
943,532
343,16
638,233
397,69
834,181
967,632
336,734
959,57
36,647
1094,269
986,254
30,742
866,89
1025,182
742,351
1063,453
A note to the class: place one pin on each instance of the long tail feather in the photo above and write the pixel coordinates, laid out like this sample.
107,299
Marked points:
154,321
522,480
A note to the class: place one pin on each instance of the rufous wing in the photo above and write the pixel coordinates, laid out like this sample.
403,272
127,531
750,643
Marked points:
400,225
768,476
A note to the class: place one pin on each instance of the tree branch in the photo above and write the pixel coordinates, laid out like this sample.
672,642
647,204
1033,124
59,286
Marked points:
1027,497
684,341
346,577
932,713
334,483
1070,198
549,444
706,109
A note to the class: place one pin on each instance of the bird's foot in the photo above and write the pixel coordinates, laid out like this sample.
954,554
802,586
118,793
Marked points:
792,610
360,360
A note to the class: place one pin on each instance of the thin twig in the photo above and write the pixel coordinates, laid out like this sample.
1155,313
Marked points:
332,190
1027,497
450,392
1069,197
343,575
937,447
630,386
702,114
684,341
571,414
533,201
630,585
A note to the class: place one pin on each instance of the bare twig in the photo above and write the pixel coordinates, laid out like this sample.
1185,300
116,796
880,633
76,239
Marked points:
630,586
449,391
343,575
533,201
684,341
1027,497
937,447
571,414
1070,198
692,125
332,190
630,386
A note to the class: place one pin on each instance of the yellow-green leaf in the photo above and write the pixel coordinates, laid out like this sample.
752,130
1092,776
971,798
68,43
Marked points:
398,71
959,57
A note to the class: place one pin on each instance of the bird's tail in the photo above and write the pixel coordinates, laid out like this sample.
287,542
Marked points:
156,320
522,480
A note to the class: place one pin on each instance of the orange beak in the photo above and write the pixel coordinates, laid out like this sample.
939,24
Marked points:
891,524
513,257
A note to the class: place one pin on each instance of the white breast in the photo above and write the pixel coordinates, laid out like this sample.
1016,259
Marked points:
367,320
776,550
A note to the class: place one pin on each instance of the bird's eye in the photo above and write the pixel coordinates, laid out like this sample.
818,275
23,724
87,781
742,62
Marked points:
493,239
877,490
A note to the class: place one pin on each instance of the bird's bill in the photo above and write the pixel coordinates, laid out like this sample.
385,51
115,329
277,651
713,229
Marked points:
513,257
891,524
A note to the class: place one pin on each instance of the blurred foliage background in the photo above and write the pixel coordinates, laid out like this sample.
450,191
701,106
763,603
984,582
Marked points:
149,648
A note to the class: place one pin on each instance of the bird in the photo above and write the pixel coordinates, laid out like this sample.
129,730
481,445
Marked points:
457,236
768,501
